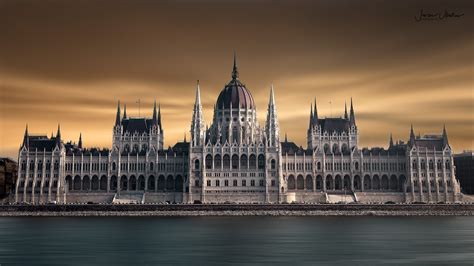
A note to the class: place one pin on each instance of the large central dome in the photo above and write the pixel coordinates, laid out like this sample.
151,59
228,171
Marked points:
235,94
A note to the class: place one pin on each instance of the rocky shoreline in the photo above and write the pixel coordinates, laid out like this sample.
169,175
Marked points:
238,210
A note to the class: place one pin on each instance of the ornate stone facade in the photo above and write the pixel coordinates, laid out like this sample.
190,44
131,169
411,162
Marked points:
235,159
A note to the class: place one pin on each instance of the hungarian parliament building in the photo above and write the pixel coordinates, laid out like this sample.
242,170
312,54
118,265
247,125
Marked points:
234,159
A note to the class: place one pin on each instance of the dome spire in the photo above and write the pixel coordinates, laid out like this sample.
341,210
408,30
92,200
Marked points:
235,72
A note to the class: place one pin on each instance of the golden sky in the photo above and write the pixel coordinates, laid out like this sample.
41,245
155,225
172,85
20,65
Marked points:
69,62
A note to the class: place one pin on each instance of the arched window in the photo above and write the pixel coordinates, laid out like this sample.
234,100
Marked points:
319,165
243,161
151,166
235,161
261,161
344,148
447,165
252,161
356,165
114,166
414,166
217,161
326,148
196,164
208,161
135,147
273,164
226,161
235,135
335,148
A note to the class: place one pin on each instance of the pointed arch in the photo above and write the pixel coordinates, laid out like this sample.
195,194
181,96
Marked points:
300,182
291,183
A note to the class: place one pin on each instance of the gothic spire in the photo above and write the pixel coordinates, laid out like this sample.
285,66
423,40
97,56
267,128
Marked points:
412,136
124,111
391,141
315,114
345,111
159,115
352,116
80,141
235,72
58,135
197,124
25,137
286,137
117,118
445,136
311,118
155,118
272,126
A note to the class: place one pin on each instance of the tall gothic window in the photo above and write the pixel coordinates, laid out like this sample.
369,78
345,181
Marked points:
252,161
208,161
226,161
261,161
235,161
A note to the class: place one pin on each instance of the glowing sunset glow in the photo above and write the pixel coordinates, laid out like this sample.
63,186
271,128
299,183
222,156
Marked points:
70,63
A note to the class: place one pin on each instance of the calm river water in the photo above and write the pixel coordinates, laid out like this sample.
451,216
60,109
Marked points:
237,240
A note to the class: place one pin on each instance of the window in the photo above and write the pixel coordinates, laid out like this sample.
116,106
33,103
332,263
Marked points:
261,161
235,161
196,183
226,161
273,182
273,164
208,161
252,183
244,183
234,183
226,183
196,164
262,183
208,183
218,183
151,166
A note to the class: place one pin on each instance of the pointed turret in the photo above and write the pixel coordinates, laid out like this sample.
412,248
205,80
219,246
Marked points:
155,116
124,111
159,115
197,124
235,72
58,135
391,141
345,111
286,137
79,145
315,114
117,118
311,119
272,125
352,115
412,136
445,136
26,137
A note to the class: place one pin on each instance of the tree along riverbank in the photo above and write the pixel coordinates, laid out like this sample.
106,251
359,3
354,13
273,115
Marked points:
240,210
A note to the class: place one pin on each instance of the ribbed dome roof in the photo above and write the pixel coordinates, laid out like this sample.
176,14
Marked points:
235,93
